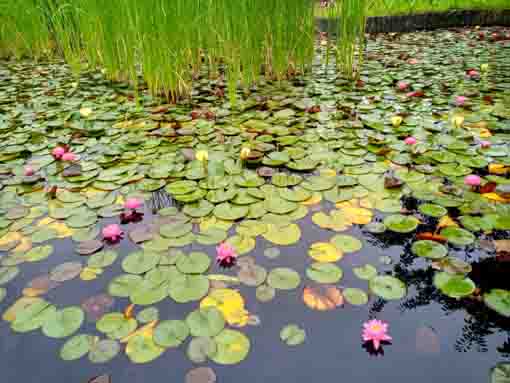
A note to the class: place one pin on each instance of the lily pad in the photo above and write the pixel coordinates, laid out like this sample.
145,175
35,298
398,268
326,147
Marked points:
388,287
401,223
76,347
64,322
458,236
283,278
207,321
454,286
346,243
201,348
292,335
194,263
104,351
499,301
432,210
324,272
366,272
188,288
429,249
355,296
232,347
142,349
171,333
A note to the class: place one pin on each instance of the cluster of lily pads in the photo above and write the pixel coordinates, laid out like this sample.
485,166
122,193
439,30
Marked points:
312,151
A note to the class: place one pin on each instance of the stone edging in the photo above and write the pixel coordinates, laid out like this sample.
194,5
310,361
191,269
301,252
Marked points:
427,21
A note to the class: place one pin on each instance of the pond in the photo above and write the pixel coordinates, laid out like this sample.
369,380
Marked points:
143,240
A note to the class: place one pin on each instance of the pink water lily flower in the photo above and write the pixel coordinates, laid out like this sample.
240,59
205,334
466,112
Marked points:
410,141
133,203
472,180
375,331
225,254
402,85
69,156
473,73
28,171
112,233
485,144
460,100
58,152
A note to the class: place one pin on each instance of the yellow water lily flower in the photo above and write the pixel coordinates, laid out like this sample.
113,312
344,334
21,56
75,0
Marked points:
484,67
396,121
202,155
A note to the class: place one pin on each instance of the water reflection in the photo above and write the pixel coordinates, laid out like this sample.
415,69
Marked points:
488,272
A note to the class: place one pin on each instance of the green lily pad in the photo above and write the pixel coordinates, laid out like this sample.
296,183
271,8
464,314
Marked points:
232,347
346,243
63,323
458,236
171,333
324,272
116,325
140,262
388,287
283,278
401,223
366,272
265,293
432,210
143,349
201,348
66,271
229,212
104,351
292,335
355,296
198,209
76,347
102,259
499,301
207,321
124,285
429,249
175,229
148,315
500,373
194,263
454,286
39,253
188,288
8,273
149,292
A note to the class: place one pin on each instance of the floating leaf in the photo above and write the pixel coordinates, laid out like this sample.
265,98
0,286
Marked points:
265,293
200,375
323,297
429,249
282,236
232,347
500,373
142,349
457,236
325,252
324,272
171,333
499,301
104,351
206,321
454,286
283,278
188,288
140,262
66,271
124,285
346,243
76,347
96,306
230,303
102,259
194,263
200,349
252,275
432,210
63,323
366,272
38,253
147,315
401,223
89,247
355,296
388,287
292,335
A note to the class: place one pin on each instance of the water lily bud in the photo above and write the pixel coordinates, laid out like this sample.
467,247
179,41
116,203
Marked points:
410,141
472,180
396,121
202,155
401,85
28,171
485,144
245,153
458,121
484,67
460,100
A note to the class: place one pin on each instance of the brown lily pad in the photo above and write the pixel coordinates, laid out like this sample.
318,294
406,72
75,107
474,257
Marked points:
96,306
89,247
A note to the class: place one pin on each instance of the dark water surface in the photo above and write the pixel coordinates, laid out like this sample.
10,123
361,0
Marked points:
332,351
